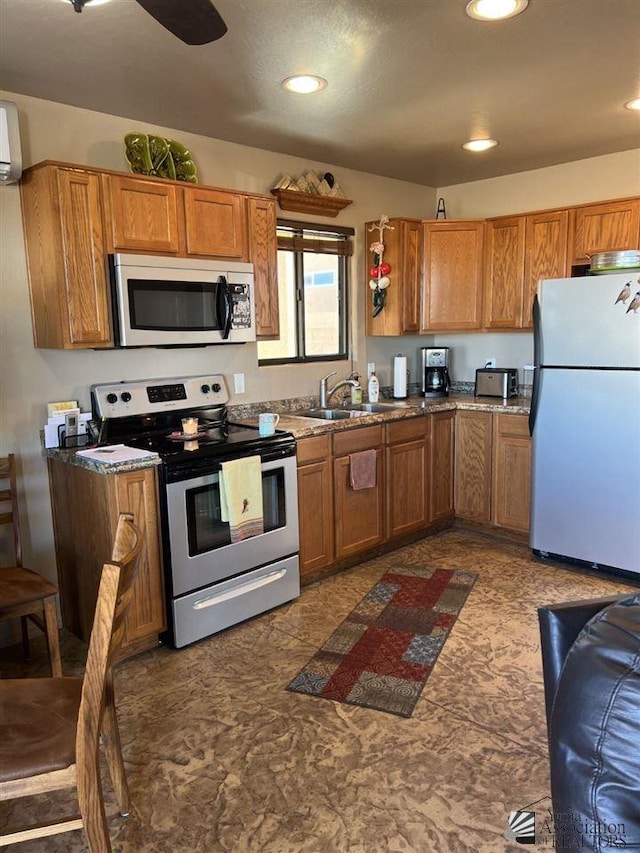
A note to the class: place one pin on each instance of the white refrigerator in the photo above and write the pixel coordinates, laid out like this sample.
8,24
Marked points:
585,421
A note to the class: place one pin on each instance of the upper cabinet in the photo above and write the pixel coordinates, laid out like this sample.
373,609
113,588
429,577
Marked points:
520,251
452,275
610,226
142,215
64,235
74,216
403,251
215,223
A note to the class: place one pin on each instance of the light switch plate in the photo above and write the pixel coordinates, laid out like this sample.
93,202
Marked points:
238,383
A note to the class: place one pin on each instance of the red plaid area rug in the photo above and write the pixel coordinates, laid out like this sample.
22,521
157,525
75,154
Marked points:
382,654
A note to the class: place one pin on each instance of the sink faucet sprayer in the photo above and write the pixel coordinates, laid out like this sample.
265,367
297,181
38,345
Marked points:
327,393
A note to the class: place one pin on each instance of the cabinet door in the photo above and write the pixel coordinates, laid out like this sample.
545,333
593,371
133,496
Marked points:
263,254
452,276
441,465
215,223
407,487
511,488
411,272
602,228
358,513
85,298
545,254
143,215
473,465
315,509
504,273
135,492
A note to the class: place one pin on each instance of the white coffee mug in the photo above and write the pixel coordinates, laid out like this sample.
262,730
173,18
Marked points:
267,423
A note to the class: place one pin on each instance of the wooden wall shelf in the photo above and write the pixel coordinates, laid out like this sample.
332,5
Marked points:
321,205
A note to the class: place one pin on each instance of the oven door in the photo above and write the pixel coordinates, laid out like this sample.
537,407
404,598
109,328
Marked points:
201,551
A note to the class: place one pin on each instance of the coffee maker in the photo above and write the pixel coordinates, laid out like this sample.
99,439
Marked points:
435,371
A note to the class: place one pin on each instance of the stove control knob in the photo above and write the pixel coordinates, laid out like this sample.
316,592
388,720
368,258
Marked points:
215,387
205,389
112,398
125,396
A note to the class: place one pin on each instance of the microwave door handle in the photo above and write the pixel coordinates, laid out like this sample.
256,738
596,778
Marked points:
224,307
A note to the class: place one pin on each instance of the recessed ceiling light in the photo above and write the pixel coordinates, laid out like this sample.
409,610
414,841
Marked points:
633,105
495,10
304,84
479,144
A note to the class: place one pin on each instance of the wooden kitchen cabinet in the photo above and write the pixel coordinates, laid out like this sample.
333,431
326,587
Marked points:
142,215
403,251
408,475
263,254
473,465
359,514
605,227
73,216
511,474
441,467
504,276
452,275
315,506
520,251
215,223
62,219
85,513
545,255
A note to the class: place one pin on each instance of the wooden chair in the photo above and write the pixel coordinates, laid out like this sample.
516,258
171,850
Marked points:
50,727
25,593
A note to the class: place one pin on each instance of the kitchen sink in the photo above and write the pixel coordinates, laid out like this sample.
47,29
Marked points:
329,414
373,408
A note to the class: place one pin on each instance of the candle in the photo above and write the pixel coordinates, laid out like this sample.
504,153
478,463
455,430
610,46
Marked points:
189,426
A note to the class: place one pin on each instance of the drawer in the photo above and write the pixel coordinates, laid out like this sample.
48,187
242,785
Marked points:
313,449
217,607
355,440
514,425
409,429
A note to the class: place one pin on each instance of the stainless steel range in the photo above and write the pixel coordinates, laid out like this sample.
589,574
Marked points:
211,582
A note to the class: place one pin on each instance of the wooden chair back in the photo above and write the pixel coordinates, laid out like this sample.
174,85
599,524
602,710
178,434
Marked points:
9,502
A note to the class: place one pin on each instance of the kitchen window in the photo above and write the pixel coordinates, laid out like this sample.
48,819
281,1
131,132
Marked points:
313,265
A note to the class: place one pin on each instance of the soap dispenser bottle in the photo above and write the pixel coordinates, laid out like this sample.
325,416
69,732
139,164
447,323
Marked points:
373,388
356,391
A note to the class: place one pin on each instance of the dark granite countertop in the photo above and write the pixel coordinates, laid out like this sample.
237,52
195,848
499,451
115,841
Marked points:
303,427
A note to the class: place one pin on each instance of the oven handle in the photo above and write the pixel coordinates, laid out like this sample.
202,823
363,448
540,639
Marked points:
240,589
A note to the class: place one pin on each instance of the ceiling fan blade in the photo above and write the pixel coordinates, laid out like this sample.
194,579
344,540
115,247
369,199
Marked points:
192,21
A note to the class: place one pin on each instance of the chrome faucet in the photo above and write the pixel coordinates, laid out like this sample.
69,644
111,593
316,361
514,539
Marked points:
327,393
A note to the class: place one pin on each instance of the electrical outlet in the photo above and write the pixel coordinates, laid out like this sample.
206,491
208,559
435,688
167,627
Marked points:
238,383
489,362
371,368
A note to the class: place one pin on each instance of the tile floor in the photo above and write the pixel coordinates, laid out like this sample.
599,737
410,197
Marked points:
220,757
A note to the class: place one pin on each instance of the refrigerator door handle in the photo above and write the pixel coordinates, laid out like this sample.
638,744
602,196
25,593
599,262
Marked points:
537,359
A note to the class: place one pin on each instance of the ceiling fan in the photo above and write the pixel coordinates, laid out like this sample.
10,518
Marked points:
192,21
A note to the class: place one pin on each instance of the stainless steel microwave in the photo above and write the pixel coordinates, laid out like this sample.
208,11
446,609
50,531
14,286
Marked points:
164,302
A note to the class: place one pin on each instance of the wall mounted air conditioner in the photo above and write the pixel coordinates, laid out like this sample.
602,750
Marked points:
10,154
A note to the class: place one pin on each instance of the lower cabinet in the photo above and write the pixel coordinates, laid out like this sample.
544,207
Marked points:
315,506
408,475
85,514
359,513
493,469
414,487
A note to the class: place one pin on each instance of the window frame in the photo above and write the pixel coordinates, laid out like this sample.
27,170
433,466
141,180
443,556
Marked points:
298,230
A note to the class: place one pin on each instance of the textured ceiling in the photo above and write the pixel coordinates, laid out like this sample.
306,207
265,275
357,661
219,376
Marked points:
409,80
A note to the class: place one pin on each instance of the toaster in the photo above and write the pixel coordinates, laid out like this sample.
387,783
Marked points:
496,382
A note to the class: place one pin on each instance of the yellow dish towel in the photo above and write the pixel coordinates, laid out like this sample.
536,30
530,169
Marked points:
241,497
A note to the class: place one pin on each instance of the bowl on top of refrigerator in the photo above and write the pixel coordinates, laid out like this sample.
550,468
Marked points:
611,262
